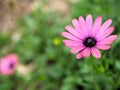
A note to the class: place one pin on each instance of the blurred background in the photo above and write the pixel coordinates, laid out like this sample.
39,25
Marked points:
32,30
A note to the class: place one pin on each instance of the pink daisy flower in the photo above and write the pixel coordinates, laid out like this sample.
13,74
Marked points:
8,64
87,38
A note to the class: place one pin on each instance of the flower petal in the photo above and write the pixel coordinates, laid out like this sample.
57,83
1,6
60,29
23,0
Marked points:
105,26
101,36
108,40
102,46
74,46
79,56
86,52
96,25
75,24
77,49
70,43
77,27
89,23
83,26
73,31
69,36
95,52
80,42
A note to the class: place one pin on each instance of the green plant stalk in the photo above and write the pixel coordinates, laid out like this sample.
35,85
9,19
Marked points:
93,74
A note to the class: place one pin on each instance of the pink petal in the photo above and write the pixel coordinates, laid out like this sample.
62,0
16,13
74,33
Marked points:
108,40
86,52
105,26
96,25
83,26
77,27
95,52
70,43
77,49
74,46
75,24
80,42
73,31
79,56
101,36
102,46
69,36
89,23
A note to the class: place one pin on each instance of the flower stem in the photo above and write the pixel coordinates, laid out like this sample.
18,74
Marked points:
93,74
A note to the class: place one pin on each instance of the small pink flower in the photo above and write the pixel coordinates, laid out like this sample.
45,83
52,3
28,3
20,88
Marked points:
87,38
8,64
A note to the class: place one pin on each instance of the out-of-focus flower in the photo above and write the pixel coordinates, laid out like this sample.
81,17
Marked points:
56,41
8,64
87,38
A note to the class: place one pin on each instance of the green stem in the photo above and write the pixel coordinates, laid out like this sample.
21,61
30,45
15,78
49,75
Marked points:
92,73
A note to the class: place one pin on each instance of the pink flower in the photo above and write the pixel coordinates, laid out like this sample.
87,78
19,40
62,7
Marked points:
8,64
87,38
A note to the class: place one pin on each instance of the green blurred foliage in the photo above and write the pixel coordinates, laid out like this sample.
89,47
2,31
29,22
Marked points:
56,68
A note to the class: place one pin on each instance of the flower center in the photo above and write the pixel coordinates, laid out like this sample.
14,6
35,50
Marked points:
11,65
89,42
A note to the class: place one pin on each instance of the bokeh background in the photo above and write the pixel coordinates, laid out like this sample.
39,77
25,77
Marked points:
32,29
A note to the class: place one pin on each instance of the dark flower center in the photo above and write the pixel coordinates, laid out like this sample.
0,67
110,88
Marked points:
89,42
11,65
